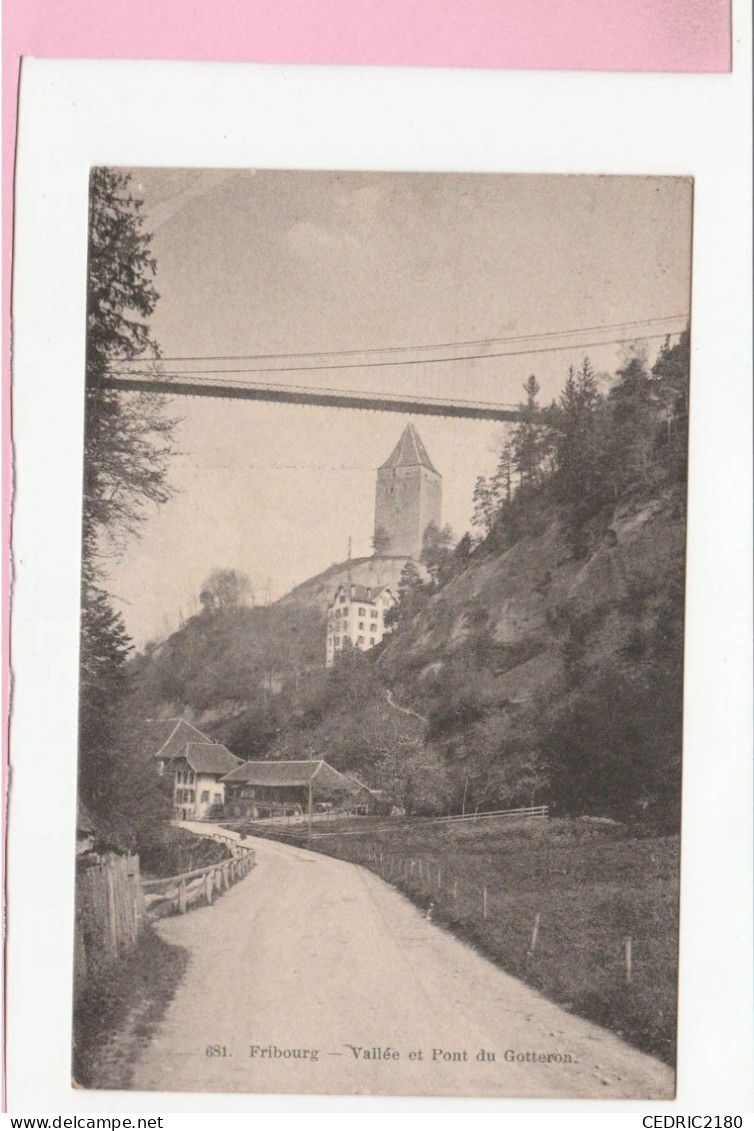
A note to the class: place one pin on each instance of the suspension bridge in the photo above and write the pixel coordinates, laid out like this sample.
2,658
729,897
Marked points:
324,398
208,376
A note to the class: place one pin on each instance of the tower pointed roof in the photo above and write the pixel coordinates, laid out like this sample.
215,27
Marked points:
409,452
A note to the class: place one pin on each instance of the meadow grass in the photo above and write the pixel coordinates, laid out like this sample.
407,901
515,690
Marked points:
587,886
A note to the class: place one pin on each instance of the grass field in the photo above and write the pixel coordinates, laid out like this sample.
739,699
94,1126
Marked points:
588,887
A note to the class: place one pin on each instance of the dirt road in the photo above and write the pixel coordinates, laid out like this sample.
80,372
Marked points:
310,969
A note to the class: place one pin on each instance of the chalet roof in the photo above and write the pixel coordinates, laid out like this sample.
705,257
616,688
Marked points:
164,738
293,773
208,757
364,593
409,452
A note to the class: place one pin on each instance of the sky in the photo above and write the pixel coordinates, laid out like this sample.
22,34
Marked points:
256,262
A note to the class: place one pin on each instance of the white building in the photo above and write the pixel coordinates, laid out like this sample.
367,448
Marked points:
197,778
356,617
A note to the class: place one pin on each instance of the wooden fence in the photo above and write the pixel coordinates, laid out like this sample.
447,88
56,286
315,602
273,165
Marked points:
109,912
541,811
531,812
179,893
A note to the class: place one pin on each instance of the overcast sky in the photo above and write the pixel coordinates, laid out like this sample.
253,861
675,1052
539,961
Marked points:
293,262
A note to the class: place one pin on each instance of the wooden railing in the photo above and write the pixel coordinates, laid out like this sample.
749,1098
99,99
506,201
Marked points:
529,811
179,893
537,812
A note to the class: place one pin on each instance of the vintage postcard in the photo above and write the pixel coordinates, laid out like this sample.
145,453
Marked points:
382,639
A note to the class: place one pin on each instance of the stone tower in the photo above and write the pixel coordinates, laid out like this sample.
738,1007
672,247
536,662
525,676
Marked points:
409,495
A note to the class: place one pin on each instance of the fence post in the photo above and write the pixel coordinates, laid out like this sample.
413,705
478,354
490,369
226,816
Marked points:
182,897
484,901
534,934
455,889
112,929
629,959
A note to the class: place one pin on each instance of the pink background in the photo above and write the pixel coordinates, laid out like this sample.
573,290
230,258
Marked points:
597,35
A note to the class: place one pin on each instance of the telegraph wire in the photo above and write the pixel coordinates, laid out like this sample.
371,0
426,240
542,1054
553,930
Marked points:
544,335
125,374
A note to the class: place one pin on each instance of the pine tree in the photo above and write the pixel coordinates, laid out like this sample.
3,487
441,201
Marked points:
485,508
127,437
502,481
437,551
580,476
526,440
127,446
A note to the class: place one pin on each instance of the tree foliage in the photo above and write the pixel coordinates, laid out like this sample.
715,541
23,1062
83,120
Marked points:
437,552
128,439
225,590
127,446
589,451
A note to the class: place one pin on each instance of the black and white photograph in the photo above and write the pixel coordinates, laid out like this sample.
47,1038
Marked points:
382,633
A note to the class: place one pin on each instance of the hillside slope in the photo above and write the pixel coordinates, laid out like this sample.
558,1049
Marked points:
375,572
516,604
551,678
539,676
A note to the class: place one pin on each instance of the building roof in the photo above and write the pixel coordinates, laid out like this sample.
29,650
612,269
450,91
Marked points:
164,738
364,593
208,758
292,773
409,452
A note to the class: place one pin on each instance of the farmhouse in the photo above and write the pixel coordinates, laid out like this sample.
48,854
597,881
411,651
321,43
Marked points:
270,789
198,772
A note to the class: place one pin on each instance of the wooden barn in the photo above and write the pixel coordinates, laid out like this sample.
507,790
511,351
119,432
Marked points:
270,789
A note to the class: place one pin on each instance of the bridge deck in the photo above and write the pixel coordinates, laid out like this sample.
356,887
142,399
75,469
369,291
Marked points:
326,398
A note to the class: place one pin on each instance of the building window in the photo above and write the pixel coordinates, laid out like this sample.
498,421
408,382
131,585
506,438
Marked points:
361,625
218,799
371,642
342,597
362,612
361,640
373,613
337,641
205,797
